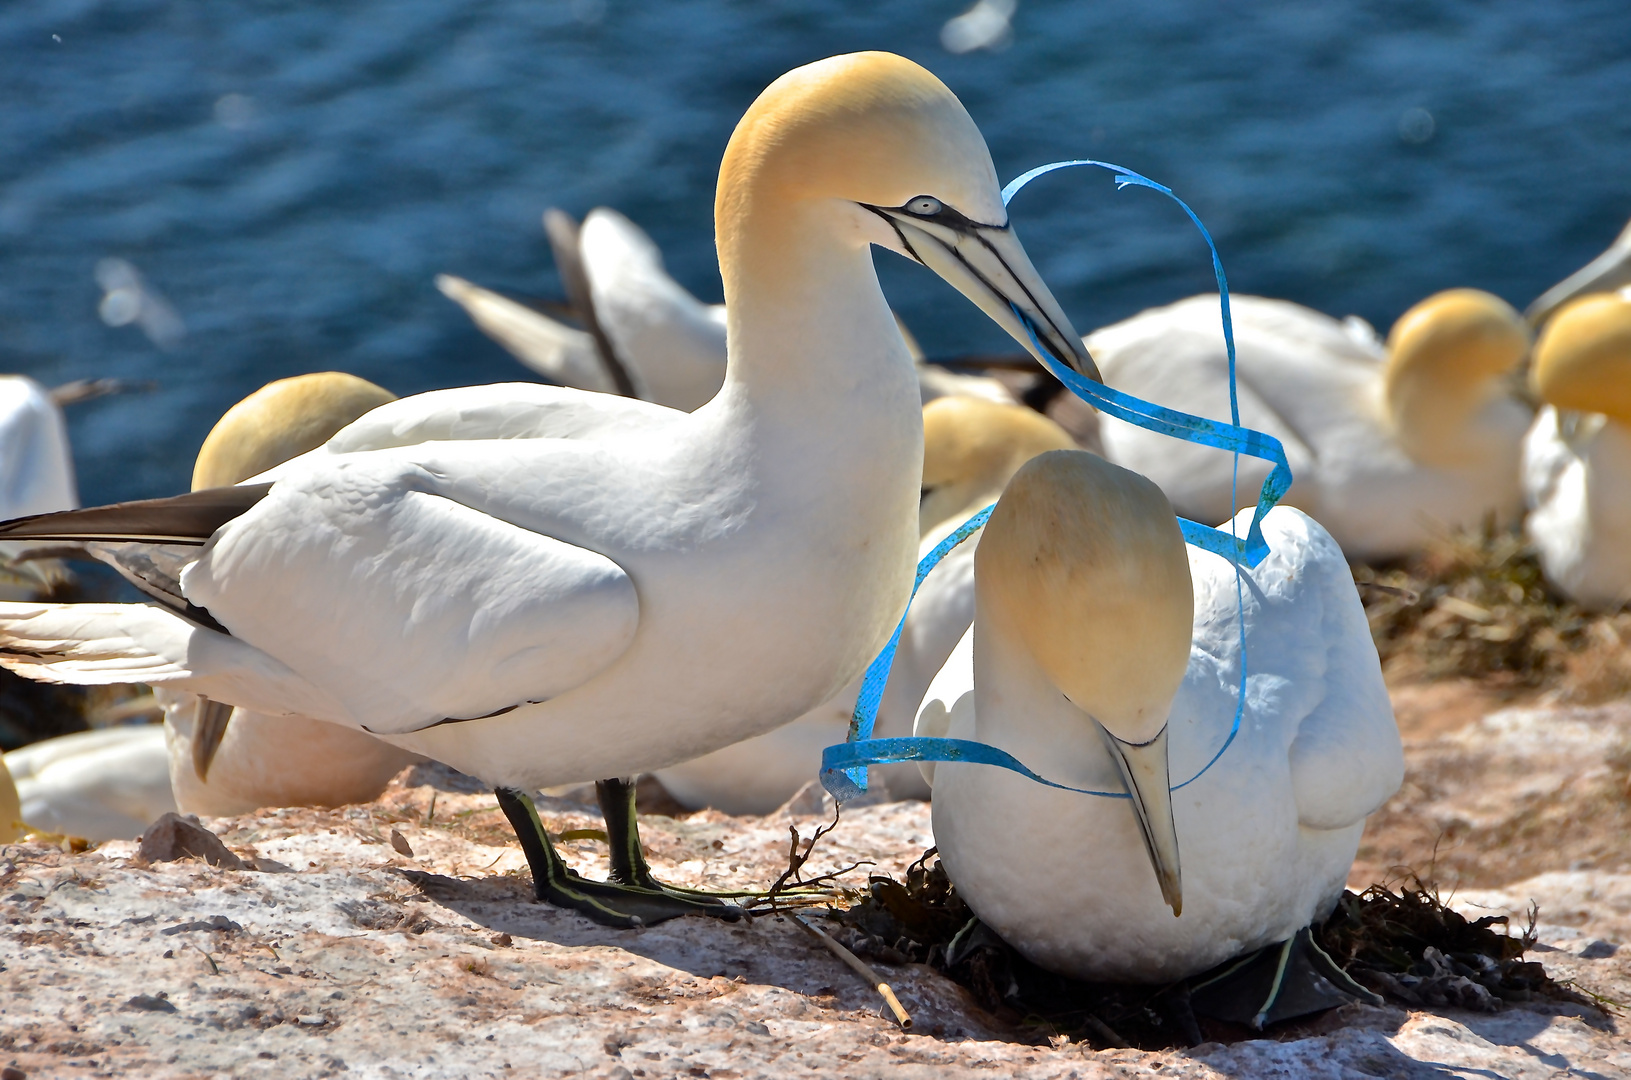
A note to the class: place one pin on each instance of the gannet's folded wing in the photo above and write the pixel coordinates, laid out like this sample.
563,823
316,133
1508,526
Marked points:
408,607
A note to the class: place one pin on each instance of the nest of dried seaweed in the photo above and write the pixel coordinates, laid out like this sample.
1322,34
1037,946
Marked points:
1475,604
1409,947
1406,946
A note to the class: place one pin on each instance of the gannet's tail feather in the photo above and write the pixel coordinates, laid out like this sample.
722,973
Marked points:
183,519
101,644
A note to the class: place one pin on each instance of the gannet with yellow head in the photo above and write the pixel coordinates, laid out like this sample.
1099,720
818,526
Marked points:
1106,655
229,761
970,449
1389,445
1577,456
540,585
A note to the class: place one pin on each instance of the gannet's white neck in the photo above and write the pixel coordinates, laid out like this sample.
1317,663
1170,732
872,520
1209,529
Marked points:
805,313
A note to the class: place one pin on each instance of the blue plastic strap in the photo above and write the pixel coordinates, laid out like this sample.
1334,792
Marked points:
1180,425
843,767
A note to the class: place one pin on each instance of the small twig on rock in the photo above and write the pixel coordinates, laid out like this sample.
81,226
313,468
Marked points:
860,967
792,880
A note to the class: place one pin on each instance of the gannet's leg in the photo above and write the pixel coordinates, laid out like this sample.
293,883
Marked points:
605,902
628,857
1278,982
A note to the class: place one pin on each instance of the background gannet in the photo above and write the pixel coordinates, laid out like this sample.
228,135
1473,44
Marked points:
670,344
1577,456
970,449
104,784
224,760
539,585
1389,446
1100,652
36,464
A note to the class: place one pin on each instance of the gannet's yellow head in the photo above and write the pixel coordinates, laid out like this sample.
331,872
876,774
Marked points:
282,420
971,447
889,155
1446,360
1083,562
1583,359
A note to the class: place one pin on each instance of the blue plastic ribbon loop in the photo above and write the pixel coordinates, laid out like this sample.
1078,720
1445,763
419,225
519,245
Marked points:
843,767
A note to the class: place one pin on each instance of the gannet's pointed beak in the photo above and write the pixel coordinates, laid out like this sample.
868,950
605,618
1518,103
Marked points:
1607,272
1144,770
987,264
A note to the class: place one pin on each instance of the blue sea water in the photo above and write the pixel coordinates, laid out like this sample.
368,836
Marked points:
291,176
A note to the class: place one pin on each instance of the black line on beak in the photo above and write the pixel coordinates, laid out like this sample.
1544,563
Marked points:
895,225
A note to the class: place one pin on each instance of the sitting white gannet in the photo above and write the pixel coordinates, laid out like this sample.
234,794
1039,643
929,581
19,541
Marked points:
970,449
1608,272
645,335
1389,446
1106,656
225,761
105,784
539,585
1577,456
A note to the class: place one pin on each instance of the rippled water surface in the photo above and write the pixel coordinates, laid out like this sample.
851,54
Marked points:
292,176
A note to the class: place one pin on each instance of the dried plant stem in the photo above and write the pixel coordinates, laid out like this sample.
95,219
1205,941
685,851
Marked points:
861,968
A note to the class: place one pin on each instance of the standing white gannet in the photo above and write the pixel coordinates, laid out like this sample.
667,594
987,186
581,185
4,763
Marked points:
1102,652
1608,272
540,585
642,325
104,784
225,761
1577,457
970,449
1389,446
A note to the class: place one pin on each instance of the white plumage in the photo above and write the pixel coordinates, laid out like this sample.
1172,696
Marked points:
971,448
36,465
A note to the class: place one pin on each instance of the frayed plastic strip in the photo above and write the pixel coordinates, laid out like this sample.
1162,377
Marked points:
843,767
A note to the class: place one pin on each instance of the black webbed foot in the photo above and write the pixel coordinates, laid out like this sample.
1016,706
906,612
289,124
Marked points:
1278,982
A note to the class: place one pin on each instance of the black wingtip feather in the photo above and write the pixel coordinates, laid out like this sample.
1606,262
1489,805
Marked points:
182,519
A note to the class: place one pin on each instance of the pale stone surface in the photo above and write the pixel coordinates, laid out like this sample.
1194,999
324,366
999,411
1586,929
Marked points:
357,961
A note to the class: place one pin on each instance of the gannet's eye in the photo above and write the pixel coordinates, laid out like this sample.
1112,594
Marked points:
924,206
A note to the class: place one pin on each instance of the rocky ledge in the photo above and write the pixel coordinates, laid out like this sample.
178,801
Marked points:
399,939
